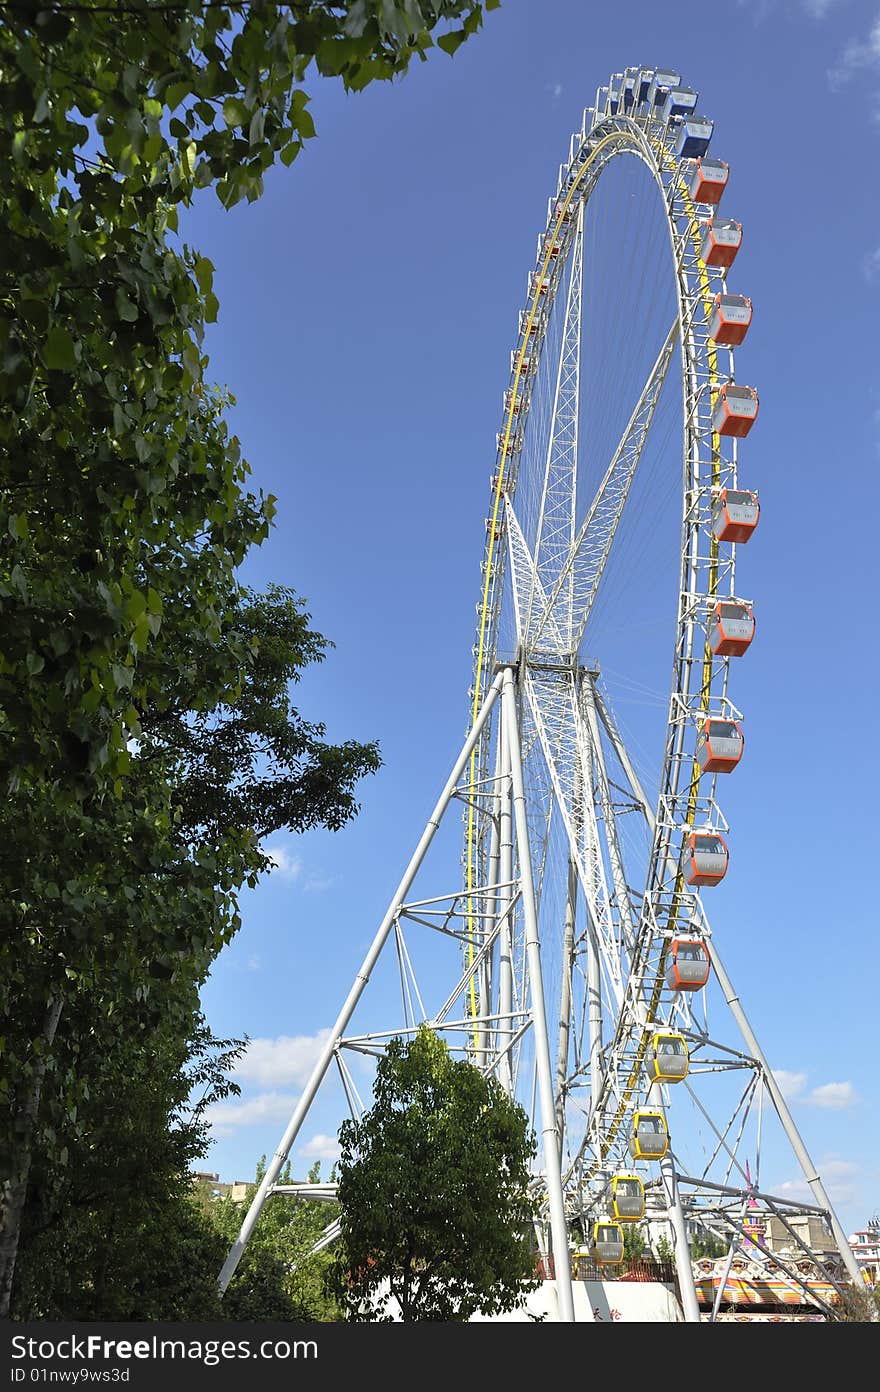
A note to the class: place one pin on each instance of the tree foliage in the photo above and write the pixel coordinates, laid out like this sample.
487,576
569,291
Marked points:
276,1264
635,1244
665,1249
858,1305
119,1232
147,738
706,1244
112,1233
433,1187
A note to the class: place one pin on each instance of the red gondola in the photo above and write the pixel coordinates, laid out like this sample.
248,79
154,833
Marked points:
705,857
527,363
731,628
513,446
528,328
730,319
709,180
722,239
720,745
734,515
687,964
734,410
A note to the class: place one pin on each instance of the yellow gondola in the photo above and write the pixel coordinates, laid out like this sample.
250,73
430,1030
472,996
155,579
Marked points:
650,1138
626,1202
667,1058
607,1244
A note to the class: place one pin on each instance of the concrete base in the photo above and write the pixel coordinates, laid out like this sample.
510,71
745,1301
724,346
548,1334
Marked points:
600,1302
644,1302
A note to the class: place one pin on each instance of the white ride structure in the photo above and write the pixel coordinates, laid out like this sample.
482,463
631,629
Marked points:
580,956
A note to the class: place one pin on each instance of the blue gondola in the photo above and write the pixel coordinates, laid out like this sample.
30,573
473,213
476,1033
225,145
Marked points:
661,82
641,85
693,136
680,101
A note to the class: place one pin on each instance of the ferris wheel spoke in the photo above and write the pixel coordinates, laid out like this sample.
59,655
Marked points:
622,902
524,580
624,759
690,904
582,569
556,516
565,745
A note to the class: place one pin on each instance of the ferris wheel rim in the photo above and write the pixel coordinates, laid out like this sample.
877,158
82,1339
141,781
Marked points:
617,135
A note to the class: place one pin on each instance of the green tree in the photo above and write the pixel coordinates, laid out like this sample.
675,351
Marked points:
706,1244
858,1305
665,1251
147,739
112,1233
634,1242
434,1191
122,901
281,1242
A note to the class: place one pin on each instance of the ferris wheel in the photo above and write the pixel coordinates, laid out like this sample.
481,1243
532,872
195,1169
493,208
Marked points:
581,968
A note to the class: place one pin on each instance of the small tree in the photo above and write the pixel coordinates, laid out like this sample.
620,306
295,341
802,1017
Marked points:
665,1252
276,1265
859,1305
706,1244
634,1243
433,1185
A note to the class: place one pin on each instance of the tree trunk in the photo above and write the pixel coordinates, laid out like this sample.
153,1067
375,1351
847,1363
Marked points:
14,1192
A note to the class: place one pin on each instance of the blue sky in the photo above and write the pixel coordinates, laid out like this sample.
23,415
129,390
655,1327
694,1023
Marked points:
368,308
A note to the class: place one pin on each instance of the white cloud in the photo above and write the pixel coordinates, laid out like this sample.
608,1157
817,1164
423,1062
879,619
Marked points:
254,963
318,883
226,1117
288,866
840,1177
835,1095
287,1059
321,1147
871,267
791,1084
816,9
819,8
834,1168
557,89
857,55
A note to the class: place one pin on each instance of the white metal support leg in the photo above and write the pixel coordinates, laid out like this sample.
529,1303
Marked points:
354,994
553,1174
